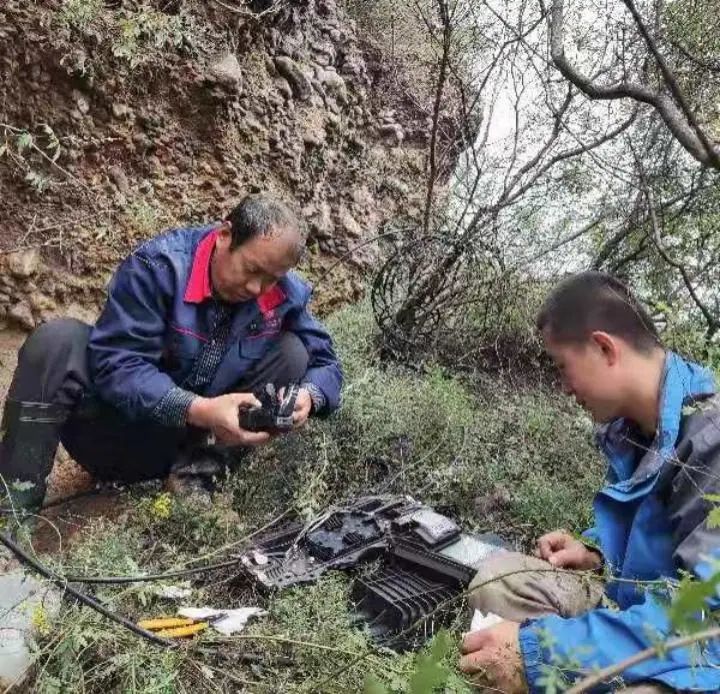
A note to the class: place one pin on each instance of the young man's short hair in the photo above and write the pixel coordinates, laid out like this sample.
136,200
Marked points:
591,301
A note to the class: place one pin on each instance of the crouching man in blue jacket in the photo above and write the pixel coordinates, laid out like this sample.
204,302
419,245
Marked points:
660,433
196,322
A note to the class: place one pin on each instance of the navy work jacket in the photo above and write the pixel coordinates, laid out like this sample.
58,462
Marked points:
159,314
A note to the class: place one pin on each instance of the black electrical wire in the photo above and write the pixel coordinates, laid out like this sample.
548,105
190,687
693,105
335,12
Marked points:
67,589
119,580
151,577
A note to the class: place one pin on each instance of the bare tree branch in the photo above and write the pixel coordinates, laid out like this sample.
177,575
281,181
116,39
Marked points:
713,323
439,90
713,155
675,117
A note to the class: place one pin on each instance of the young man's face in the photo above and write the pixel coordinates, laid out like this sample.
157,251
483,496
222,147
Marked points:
252,268
590,373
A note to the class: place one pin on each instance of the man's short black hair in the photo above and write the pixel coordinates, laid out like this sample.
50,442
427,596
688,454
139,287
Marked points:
590,301
260,215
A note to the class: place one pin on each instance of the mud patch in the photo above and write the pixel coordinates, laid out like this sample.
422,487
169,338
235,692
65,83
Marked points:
58,526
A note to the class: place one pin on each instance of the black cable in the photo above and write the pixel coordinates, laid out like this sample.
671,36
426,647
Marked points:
67,589
151,577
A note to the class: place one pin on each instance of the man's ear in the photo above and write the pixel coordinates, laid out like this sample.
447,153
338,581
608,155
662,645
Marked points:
224,236
608,345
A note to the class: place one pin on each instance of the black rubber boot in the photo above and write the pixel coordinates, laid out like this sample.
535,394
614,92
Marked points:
30,437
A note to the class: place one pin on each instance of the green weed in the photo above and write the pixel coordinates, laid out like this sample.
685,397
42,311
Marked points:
80,14
141,35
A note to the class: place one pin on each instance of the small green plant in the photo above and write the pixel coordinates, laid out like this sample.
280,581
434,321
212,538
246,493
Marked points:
142,34
39,620
161,506
80,14
143,218
31,153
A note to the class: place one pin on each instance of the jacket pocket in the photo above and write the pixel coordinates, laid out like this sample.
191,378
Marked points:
182,346
257,346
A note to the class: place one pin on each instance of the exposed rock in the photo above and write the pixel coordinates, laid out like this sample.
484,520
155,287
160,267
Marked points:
349,223
298,80
23,264
334,84
391,132
39,302
227,72
118,177
319,218
83,105
324,52
397,186
327,7
21,314
283,87
314,138
120,110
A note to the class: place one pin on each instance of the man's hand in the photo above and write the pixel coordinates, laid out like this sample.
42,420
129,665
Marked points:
220,415
303,405
565,552
494,655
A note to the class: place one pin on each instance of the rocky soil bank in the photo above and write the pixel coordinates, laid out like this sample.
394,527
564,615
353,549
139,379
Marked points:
119,119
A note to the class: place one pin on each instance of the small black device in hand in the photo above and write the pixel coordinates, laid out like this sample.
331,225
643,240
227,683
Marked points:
274,414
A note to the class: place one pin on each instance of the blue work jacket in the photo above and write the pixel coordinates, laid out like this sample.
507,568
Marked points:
651,522
159,314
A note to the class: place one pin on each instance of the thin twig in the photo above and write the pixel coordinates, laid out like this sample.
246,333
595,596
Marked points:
608,672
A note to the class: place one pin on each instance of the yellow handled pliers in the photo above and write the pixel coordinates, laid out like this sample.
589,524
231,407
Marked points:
174,627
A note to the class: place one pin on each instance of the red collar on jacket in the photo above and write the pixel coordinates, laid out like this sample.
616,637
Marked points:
199,287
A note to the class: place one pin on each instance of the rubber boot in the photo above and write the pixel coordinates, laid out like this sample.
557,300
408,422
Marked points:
29,438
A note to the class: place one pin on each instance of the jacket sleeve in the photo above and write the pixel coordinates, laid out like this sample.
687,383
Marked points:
324,376
604,637
127,343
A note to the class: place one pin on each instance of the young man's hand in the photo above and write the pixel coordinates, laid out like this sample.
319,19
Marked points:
493,655
562,550
221,416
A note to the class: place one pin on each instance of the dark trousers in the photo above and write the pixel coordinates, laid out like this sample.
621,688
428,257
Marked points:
53,368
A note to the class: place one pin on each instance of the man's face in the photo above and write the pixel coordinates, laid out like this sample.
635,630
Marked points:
589,372
252,268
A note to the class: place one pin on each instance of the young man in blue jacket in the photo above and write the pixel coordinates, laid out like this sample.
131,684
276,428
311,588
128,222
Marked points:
196,322
659,429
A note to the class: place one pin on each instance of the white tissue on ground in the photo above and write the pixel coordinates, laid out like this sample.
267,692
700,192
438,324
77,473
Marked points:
230,622
481,620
